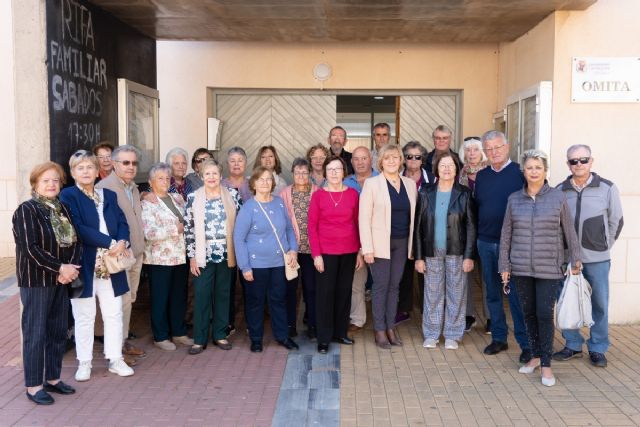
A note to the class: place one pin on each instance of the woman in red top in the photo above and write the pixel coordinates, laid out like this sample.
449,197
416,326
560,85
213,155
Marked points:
335,244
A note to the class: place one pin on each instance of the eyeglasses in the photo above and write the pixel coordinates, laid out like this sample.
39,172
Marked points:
583,160
264,180
441,166
491,150
104,157
301,174
334,170
413,156
441,138
127,162
201,159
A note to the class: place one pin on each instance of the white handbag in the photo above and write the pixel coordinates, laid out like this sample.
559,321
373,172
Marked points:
573,310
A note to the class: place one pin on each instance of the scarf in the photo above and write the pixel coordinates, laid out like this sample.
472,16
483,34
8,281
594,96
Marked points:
62,227
100,268
199,201
470,170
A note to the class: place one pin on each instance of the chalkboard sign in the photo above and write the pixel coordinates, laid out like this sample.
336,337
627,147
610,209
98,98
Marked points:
87,50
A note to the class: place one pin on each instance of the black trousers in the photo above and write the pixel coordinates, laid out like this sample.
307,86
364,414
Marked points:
538,299
405,297
333,296
45,318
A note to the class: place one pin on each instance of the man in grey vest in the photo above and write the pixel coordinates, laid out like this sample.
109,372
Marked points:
597,211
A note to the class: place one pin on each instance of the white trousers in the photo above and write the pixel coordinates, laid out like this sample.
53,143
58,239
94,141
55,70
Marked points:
358,306
84,313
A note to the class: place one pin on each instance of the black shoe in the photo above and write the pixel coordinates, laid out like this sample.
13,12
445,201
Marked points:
312,333
487,328
305,319
41,398
256,347
292,332
99,338
344,341
289,344
60,388
323,348
598,359
495,347
132,336
525,356
469,321
566,354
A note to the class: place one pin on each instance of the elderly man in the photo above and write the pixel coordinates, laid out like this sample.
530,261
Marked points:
494,184
337,140
125,168
442,137
361,162
380,134
595,205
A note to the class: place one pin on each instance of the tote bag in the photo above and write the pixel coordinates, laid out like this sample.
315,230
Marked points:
574,305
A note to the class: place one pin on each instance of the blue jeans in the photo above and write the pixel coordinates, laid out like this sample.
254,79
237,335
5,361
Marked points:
489,253
597,274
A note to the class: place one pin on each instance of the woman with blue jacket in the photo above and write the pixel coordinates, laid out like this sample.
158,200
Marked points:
103,230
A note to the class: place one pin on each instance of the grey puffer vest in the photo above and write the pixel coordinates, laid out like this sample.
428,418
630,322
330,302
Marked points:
535,233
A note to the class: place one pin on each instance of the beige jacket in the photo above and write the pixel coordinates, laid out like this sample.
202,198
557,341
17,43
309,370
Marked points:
132,213
375,216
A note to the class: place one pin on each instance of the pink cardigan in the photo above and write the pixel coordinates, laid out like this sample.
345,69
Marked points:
286,195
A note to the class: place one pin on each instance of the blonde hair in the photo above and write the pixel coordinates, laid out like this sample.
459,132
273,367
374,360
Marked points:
83,156
384,151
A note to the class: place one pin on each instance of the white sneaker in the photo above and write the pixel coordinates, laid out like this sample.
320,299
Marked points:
183,340
84,371
165,345
119,367
450,344
430,343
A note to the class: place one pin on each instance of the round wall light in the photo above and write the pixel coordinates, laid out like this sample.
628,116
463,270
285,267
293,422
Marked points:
322,71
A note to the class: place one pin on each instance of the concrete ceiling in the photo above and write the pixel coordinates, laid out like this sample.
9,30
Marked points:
418,21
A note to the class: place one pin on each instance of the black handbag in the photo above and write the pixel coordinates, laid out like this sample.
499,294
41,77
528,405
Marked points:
75,288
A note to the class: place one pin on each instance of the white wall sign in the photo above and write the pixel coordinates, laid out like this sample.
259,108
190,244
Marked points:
596,79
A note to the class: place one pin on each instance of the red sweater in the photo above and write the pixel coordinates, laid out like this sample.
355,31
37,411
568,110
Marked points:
333,229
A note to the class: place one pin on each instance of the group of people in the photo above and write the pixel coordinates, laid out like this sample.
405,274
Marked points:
348,219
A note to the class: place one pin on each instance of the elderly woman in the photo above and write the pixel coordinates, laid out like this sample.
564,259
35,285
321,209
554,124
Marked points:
414,157
209,223
267,157
199,156
316,156
177,160
334,244
297,198
265,240
444,247
103,152
237,163
537,223
103,230
47,256
387,208
164,253
474,160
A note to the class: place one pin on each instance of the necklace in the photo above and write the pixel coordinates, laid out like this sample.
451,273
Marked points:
335,204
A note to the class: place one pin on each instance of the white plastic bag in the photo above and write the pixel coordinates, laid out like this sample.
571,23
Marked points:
573,310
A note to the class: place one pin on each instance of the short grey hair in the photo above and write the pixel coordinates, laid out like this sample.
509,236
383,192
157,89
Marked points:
414,144
493,134
159,167
82,156
576,147
441,128
124,149
210,162
300,162
236,150
468,143
536,155
177,151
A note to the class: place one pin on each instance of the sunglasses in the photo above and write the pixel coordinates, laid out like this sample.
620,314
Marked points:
413,156
202,159
583,160
127,162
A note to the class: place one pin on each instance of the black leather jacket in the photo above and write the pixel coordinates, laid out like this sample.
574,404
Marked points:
461,223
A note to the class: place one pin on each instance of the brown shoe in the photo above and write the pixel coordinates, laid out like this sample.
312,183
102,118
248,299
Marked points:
129,360
394,337
354,328
131,350
382,341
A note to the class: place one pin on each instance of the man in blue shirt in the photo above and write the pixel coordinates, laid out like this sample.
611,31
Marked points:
494,184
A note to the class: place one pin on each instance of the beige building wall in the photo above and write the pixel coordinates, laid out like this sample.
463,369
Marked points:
186,69
608,28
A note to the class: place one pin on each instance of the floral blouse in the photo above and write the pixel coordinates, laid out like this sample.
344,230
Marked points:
300,201
164,244
215,228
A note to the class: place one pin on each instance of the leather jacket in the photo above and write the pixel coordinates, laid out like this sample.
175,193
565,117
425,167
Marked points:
461,223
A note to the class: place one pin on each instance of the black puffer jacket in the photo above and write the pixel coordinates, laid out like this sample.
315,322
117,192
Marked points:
461,223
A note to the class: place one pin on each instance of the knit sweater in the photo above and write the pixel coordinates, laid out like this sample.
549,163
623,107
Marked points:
333,227
491,194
